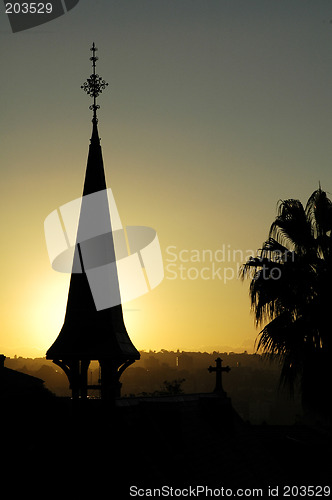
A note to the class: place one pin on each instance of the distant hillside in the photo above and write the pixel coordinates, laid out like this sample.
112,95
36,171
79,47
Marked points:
252,383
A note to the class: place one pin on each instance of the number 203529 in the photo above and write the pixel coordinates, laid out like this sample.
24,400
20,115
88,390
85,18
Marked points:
306,491
28,8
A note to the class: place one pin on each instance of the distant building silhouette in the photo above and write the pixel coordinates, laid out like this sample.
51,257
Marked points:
87,333
15,385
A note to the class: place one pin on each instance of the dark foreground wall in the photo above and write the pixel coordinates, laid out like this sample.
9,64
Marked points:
151,442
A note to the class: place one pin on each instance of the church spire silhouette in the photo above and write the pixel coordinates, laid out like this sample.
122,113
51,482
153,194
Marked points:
95,176
87,333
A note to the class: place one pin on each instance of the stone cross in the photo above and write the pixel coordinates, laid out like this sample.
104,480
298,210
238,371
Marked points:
219,369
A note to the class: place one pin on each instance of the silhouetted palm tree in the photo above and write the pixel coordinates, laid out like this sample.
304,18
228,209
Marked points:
291,294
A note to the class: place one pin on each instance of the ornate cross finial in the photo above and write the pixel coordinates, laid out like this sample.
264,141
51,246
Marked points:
94,85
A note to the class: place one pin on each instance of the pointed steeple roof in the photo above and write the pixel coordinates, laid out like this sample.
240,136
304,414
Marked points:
95,174
88,333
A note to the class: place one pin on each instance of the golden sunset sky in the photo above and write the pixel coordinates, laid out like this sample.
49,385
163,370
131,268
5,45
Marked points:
215,110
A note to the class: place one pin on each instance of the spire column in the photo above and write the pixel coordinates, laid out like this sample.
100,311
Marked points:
87,333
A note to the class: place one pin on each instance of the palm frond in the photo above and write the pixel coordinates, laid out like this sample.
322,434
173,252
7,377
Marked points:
319,214
291,227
